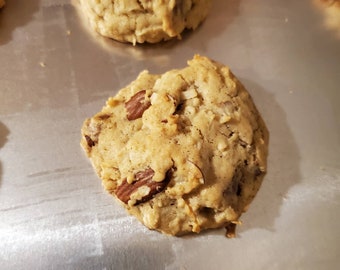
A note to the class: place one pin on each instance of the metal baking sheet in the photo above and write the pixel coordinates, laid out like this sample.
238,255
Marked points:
55,72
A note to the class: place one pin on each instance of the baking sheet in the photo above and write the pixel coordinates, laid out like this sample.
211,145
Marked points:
54,73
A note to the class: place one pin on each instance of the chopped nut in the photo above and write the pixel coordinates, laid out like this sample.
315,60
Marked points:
221,146
92,131
89,141
188,94
103,116
225,118
228,107
142,178
136,105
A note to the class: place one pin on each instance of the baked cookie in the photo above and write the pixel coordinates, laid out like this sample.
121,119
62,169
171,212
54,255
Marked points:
183,151
139,21
331,11
2,3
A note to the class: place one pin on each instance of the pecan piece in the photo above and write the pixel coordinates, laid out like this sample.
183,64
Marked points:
136,105
143,178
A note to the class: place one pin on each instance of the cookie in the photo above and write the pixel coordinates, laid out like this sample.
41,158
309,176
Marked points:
144,21
2,3
182,151
331,12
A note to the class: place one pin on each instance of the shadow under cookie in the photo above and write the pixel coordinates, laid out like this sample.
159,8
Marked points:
283,164
4,132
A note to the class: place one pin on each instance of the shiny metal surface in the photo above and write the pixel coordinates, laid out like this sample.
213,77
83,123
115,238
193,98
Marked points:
54,73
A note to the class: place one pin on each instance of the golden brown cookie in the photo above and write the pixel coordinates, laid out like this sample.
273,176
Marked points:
331,12
183,151
139,21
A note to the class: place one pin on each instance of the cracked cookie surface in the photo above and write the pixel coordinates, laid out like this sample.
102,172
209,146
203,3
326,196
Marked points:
139,21
183,151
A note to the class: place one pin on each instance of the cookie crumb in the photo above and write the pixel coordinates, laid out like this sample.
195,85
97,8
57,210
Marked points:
42,64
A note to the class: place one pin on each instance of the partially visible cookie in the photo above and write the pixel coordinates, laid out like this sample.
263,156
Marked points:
139,21
331,11
330,2
183,151
2,3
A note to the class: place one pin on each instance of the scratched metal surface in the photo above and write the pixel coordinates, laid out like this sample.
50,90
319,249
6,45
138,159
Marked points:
54,73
